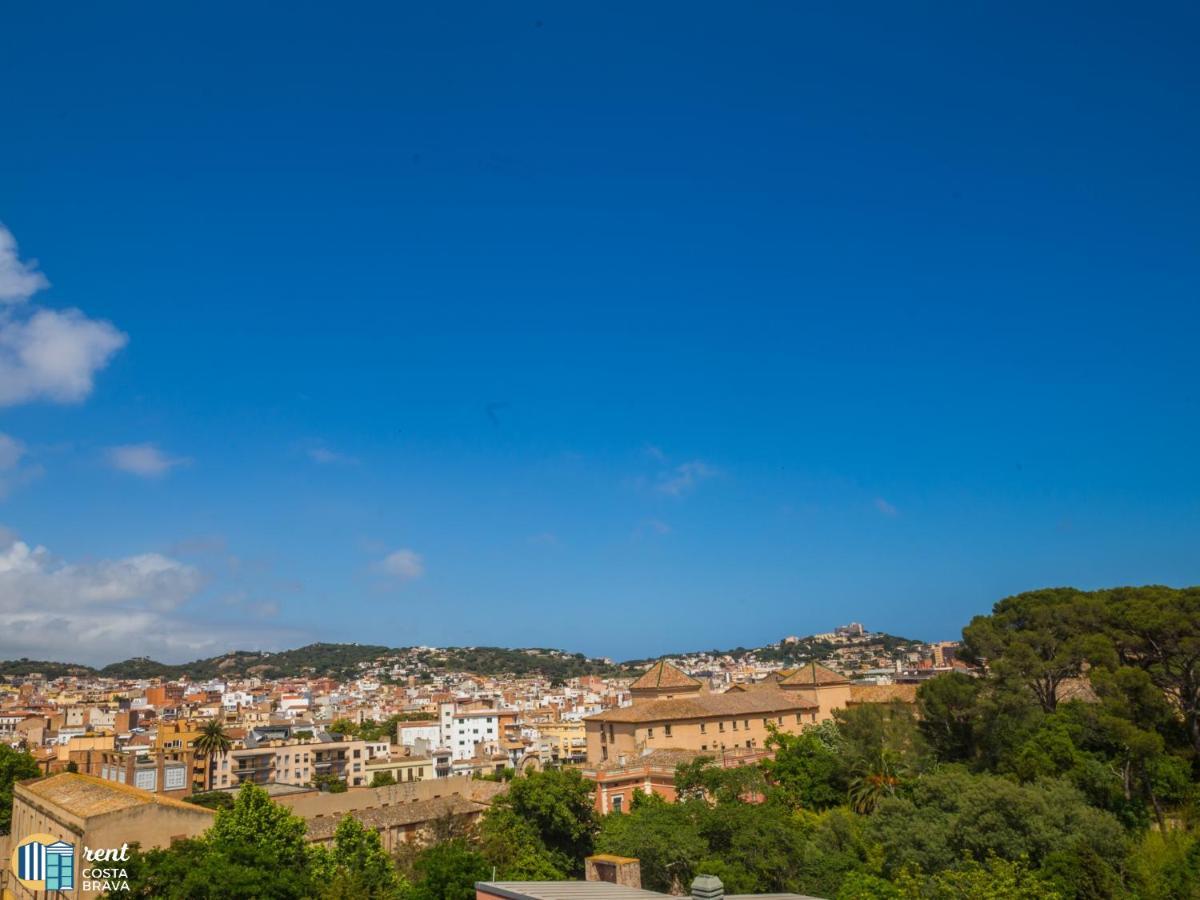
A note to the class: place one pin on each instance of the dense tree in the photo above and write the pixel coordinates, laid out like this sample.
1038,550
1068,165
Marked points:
1158,630
946,814
448,871
357,866
1040,639
701,779
558,804
664,836
808,770
949,715
15,765
255,849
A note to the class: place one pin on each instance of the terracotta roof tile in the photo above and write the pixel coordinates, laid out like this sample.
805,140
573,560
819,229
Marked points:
707,706
883,693
813,673
664,675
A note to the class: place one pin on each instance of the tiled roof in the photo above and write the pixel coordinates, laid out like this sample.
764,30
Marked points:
664,758
707,706
883,693
414,813
664,675
86,796
815,674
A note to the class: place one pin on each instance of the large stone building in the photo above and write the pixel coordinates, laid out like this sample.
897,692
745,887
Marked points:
673,711
84,811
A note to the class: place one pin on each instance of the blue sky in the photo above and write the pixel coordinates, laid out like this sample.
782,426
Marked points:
623,329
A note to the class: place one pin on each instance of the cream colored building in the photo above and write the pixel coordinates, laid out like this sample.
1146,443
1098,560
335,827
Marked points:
673,711
401,768
100,815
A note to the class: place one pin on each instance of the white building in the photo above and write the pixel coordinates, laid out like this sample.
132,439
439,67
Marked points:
461,731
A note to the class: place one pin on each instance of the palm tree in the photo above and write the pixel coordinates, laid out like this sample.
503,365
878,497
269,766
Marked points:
212,741
874,780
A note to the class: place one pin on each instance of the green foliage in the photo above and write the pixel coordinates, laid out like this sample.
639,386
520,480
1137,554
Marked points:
356,866
948,707
213,739
15,765
700,779
809,770
1041,638
448,871
950,813
552,664
255,849
329,783
382,779
558,805
666,838
213,800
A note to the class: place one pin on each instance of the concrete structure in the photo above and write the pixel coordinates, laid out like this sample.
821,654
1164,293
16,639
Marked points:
97,814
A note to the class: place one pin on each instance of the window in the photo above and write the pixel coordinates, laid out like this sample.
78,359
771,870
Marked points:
797,718
749,744
617,803
765,723
667,730
703,747
746,724
704,728
650,734
735,724
781,720
720,726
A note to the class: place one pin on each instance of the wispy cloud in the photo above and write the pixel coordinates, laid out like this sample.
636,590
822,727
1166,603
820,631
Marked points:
886,508
143,460
403,565
324,456
684,478
45,354
11,451
15,467
651,527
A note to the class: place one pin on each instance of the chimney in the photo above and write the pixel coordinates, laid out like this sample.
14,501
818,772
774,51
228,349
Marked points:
623,870
707,887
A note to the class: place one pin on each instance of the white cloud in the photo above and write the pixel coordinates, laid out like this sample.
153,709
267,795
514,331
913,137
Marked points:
684,478
18,280
53,355
45,354
11,451
144,460
886,508
403,564
105,610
